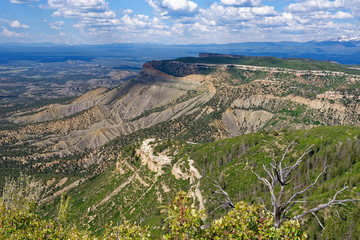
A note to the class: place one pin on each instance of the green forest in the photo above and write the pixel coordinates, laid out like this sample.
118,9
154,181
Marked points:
329,159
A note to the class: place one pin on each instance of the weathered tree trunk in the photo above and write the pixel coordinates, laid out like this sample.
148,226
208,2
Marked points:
277,217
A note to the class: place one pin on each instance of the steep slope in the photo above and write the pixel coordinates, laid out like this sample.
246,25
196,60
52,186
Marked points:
139,103
104,149
147,175
143,179
195,99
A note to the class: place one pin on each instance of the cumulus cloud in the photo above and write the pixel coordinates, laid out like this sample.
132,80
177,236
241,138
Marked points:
315,5
241,2
128,11
173,7
342,15
88,13
140,21
244,20
17,24
81,8
7,33
184,21
323,15
223,15
23,1
233,22
57,25
344,8
353,6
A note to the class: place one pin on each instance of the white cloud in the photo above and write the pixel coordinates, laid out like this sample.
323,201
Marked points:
174,7
57,25
248,3
23,1
345,8
223,15
81,8
88,13
140,22
17,24
353,6
128,11
240,20
263,11
94,19
7,33
325,15
315,5
184,21
222,24
226,15
342,15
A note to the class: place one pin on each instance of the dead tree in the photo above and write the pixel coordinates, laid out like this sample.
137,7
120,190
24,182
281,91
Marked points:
220,196
279,174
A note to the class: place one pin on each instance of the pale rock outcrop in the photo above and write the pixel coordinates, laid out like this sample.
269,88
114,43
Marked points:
245,121
154,163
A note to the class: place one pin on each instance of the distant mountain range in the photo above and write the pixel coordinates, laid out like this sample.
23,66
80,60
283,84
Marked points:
344,50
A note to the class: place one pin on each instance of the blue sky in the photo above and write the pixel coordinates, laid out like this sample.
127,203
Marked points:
176,21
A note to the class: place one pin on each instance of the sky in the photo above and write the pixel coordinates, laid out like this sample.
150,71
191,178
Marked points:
176,21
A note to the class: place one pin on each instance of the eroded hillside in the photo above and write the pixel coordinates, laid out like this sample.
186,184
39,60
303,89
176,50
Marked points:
194,99
104,148
146,176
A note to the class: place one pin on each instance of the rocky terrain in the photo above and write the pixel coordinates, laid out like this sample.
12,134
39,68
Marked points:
147,174
196,99
140,103
104,147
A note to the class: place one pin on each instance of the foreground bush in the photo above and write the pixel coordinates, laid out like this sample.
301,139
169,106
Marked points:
184,220
252,222
17,224
18,220
244,222
126,231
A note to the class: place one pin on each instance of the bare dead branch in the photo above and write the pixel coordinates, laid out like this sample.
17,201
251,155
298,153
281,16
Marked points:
218,207
288,182
270,174
286,209
337,214
287,173
215,196
281,161
295,194
279,177
263,202
270,187
280,174
331,202
318,221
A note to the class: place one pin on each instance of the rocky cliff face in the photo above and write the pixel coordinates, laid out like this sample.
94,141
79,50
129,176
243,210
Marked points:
172,68
99,116
176,99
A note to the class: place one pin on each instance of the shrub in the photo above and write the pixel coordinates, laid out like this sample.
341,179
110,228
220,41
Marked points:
126,231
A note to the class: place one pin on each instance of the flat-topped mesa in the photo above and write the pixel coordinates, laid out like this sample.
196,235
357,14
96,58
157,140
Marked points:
167,67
